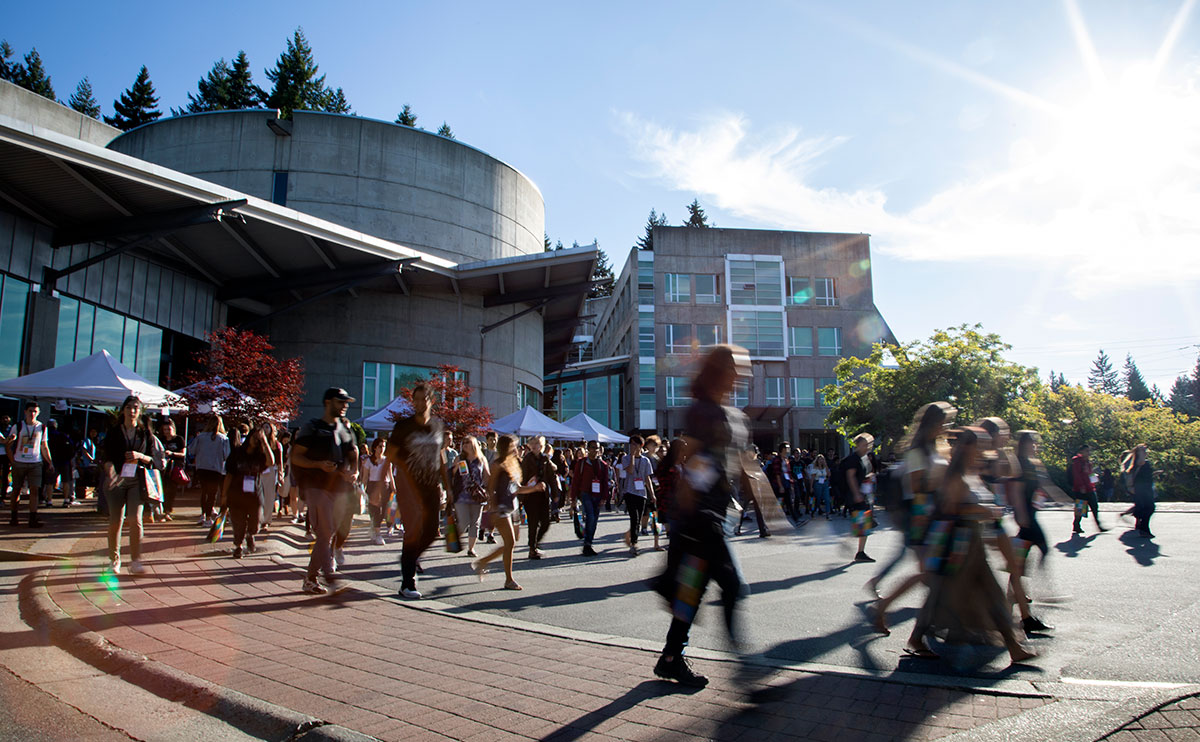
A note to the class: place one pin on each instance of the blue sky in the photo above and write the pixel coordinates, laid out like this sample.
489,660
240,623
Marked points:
1029,165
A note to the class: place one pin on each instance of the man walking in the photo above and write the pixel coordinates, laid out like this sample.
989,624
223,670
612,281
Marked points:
634,483
325,461
538,471
589,488
1083,487
29,450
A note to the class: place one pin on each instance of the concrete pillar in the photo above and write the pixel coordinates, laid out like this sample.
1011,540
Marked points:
41,332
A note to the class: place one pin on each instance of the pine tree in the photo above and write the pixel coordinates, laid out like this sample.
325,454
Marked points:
11,71
335,102
602,272
34,77
646,241
444,130
1103,377
84,101
1058,382
408,118
212,91
1135,386
138,105
696,216
242,91
546,240
1181,396
297,87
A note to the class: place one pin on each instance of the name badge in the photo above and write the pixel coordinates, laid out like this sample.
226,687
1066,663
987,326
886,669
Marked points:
639,485
595,488
129,471
247,484
820,480
532,481
462,468
787,477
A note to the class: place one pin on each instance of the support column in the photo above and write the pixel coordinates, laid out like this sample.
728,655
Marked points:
41,332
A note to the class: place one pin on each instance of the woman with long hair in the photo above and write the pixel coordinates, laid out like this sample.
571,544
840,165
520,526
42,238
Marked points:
175,449
669,469
129,449
243,490
1141,474
818,479
504,489
469,484
211,449
381,487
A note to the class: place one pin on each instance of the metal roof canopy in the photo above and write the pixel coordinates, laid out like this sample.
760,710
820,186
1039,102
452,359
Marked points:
261,256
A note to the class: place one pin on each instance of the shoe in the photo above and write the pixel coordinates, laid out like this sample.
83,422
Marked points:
203,521
339,557
136,568
410,592
312,587
588,550
114,566
535,553
237,552
633,550
167,517
490,538
1076,529
1103,528
862,557
377,540
677,669
471,553
262,529
645,531
1030,624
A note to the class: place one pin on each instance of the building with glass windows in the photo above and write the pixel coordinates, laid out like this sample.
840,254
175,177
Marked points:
798,301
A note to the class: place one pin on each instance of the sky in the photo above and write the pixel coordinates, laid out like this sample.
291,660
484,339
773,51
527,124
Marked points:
1031,165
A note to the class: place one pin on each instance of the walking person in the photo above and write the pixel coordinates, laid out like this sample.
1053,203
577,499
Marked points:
175,450
469,485
1083,488
269,479
504,489
62,454
819,476
129,450
858,483
29,450
636,488
242,491
717,435
381,487
325,460
88,466
590,485
211,449
415,447
538,472
1141,473
667,475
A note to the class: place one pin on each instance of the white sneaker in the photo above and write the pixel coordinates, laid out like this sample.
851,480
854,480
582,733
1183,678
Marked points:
410,594
136,568
312,587
339,557
115,566
377,539
203,521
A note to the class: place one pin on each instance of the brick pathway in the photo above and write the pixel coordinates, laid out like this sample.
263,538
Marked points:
381,667
1175,722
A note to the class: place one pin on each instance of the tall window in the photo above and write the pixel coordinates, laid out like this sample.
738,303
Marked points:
596,398
741,393
678,393
527,396
774,390
645,282
761,333
829,341
12,326
382,383
800,341
678,339
708,288
279,188
84,329
822,383
800,291
646,396
570,397
755,282
678,288
826,292
646,334
708,335
803,393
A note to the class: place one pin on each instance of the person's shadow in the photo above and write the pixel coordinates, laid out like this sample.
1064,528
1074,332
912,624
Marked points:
1142,549
1077,543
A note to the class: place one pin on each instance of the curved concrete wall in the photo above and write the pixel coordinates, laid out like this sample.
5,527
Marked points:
402,184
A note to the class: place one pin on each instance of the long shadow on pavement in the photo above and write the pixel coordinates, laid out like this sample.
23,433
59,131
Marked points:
1077,543
1142,549
637,694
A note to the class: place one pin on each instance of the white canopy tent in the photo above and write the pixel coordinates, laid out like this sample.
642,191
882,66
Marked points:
97,380
381,420
528,421
219,391
594,431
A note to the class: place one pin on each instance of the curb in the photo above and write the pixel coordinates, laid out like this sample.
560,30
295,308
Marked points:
11,555
251,715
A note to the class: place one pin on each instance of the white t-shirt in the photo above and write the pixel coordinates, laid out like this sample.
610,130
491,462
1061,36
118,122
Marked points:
28,447
375,472
820,476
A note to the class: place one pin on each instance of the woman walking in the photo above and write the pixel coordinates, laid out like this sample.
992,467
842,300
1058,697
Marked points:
503,492
469,484
130,449
243,486
818,477
1141,474
211,448
381,487
175,450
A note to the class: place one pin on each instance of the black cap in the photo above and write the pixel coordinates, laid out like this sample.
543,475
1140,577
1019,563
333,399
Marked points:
335,392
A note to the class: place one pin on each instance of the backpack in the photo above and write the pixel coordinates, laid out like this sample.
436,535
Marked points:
889,486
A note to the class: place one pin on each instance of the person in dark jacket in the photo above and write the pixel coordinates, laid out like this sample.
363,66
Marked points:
129,450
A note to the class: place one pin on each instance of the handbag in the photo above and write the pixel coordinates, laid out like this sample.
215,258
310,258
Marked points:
152,487
218,528
453,542
179,476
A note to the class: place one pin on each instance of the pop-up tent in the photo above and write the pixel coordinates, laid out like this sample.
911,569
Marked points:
594,431
98,379
381,421
225,397
528,421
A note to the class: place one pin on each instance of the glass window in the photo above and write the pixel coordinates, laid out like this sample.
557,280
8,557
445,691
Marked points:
572,399
755,283
761,333
822,383
68,318
370,388
708,288
774,390
803,393
826,292
527,396
12,326
596,399
149,352
614,402
741,393
83,337
678,288
279,188
109,332
800,291
678,339
708,335
678,393
800,341
129,347
645,282
829,341
646,396
646,334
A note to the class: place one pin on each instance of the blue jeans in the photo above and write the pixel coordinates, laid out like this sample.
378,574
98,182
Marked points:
590,518
822,490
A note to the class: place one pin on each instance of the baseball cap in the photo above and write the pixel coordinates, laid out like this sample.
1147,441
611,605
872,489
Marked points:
335,392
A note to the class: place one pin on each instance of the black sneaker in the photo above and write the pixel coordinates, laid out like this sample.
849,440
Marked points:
1032,624
677,669
589,551
862,557
237,552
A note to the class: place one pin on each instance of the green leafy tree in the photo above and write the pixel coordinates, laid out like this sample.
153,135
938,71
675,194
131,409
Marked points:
696,217
1103,377
9,70
406,117
444,130
646,241
33,76
1057,381
84,101
1135,386
136,106
296,84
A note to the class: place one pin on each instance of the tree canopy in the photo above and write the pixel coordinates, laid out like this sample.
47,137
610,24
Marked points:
296,84
136,106
226,88
270,388
696,217
1135,386
406,117
646,241
445,131
84,100
450,396
1103,377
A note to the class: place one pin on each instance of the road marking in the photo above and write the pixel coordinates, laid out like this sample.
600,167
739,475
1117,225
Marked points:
1124,683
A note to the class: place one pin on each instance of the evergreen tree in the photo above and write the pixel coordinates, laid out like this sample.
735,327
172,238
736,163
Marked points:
646,241
242,91
225,88
1058,382
138,105
1103,377
84,101
602,272
11,71
1135,386
297,87
546,240
408,118
33,76
444,130
1181,396
696,216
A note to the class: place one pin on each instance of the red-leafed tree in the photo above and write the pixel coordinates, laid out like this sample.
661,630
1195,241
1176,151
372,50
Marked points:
451,397
239,378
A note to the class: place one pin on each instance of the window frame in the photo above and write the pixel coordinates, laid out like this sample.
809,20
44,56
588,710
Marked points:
836,347
830,299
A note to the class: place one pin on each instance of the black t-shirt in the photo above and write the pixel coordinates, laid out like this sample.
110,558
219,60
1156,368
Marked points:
539,466
174,445
418,446
722,433
852,463
323,442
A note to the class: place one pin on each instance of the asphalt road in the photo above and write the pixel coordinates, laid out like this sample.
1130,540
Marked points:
1128,609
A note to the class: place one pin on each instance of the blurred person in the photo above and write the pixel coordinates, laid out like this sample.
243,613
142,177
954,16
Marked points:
819,476
243,486
668,474
1141,473
5,461
175,452
636,488
1083,488
858,482
87,466
537,472
211,449
504,489
269,478
377,476
62,454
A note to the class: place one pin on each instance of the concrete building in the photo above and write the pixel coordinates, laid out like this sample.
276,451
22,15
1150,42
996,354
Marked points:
799,301
372,250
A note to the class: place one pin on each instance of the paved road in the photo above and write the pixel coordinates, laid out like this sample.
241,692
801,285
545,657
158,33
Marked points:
1133,616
